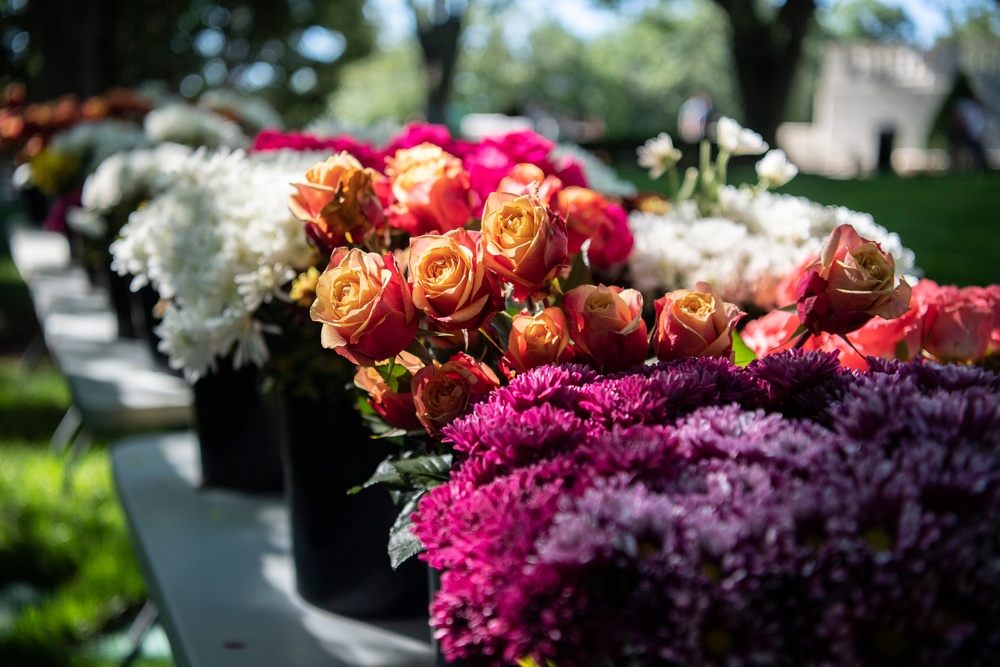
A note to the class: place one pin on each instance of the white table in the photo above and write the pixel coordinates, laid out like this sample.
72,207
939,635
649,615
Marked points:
218,567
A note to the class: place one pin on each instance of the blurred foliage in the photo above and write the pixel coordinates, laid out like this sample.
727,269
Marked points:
67,571
288,51
867,20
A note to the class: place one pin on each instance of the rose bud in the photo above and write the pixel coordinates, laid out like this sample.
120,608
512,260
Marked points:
526,178
694,323
365,307
606,325
537,340
396,408
449,281
338,201
442,393
432,190
853,281
524,242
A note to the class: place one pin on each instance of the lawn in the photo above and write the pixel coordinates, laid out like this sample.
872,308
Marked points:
69,583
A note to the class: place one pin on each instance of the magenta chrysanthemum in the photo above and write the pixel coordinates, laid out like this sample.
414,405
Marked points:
790,513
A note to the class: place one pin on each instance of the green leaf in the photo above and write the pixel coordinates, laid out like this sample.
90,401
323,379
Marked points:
579,274
403,544
744,355
424,472
385,473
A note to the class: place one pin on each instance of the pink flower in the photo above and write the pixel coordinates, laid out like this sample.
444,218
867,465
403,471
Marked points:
959,324
773,333
853,281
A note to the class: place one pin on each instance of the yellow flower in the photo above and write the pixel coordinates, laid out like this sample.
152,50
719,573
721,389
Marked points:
52,172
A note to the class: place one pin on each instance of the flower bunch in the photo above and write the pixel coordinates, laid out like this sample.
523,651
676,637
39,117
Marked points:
698,513
219,245
743,240
945,323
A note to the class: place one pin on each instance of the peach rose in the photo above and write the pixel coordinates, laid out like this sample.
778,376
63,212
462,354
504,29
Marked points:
853,281
442,393
606,325
449,281
537,340
694,323
338,201
524,242
432,190
365,307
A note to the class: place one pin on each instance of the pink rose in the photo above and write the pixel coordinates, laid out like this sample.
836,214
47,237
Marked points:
524,242
694,323
442,393
537,340
958,323
853,281
525,178
450,283
365,307
772,333
606,325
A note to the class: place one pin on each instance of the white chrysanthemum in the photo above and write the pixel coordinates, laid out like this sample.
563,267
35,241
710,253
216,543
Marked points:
130,175
600,177
218,243
746,247
775,170
738,140
185,124
658,154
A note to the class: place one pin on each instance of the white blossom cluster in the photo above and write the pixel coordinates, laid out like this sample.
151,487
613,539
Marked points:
745,247
121,182
253,113
183,123
217,244
94,142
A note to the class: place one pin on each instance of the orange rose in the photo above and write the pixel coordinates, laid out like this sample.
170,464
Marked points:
524,242
432,190
365,307
442,393
694,323
853,281
537,340
606,325
449,281
338,202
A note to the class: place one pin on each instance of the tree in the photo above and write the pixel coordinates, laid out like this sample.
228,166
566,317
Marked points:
288,51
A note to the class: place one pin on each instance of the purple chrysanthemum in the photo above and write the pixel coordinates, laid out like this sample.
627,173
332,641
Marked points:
656,517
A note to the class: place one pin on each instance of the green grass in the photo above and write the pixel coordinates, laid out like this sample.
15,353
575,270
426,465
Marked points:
950,221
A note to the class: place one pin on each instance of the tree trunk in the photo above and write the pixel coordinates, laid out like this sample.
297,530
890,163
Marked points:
766,55
439,44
